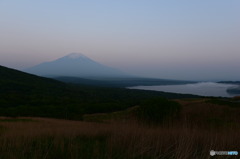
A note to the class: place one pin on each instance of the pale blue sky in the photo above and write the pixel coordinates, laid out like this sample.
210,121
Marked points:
177,39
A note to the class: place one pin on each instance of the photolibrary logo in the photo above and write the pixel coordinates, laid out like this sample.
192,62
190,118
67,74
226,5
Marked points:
213,153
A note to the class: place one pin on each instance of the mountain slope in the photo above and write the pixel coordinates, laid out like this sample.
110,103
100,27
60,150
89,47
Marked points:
75,65
23,94
13,80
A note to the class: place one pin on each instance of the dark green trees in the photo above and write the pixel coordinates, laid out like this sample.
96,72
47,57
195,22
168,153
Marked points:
157,110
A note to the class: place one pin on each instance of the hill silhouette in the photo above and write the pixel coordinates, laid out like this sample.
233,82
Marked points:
23,94
13,80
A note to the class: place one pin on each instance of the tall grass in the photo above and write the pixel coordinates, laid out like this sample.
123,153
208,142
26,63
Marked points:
201,127
51,139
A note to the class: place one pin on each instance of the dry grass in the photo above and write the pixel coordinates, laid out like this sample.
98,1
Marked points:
44,138
201,113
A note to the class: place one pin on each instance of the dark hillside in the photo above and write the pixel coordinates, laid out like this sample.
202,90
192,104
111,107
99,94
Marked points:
13,80
121,82
23,94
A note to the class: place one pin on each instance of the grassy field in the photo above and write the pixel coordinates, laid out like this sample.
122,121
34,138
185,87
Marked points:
202,126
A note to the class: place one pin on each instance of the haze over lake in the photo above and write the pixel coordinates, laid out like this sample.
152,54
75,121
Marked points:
201,88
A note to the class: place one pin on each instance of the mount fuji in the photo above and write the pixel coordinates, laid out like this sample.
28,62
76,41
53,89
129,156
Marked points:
75,65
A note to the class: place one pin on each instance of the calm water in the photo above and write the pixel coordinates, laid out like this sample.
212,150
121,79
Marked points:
202,89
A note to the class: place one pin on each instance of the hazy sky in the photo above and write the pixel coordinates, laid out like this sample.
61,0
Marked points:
176,39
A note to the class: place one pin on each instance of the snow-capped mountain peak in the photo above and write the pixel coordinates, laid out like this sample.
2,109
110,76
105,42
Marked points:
76,56
74,65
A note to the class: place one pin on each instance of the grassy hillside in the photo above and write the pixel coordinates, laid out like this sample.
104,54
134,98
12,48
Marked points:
117,122
22,94
200,127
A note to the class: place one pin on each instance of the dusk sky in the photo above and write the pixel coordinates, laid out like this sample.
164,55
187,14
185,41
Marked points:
171,39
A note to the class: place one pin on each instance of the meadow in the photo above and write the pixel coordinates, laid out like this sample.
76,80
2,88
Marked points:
202,125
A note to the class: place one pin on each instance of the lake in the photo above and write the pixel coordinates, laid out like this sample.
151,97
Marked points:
201,88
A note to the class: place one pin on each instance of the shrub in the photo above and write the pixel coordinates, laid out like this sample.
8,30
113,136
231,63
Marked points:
158,110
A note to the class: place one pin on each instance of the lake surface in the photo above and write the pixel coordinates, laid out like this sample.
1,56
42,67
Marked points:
201,88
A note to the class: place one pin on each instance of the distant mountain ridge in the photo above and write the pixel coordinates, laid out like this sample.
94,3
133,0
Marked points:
74,65
121,82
